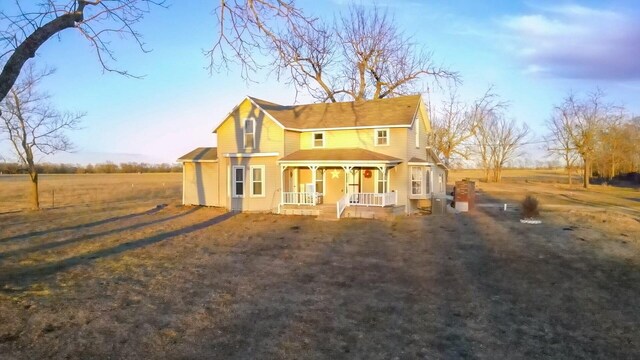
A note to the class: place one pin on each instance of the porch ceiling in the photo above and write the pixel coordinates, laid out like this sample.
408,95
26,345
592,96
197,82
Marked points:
326,156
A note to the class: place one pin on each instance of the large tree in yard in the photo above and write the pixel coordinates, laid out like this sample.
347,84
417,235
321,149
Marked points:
363,55
33,126
29,24
586,118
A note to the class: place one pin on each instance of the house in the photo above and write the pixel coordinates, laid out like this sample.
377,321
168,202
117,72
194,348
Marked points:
363,158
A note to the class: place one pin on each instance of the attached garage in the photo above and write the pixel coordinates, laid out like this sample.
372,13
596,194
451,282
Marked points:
200,177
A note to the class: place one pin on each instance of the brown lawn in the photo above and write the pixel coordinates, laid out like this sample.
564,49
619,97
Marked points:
125,280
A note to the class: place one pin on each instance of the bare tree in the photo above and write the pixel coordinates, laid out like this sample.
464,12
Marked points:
451,127
31,24
587,117
559,141
33,126
506,139
363,55
482,115
247,27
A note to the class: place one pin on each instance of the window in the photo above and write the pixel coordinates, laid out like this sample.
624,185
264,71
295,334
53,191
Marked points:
238,181
416,180
318,139
427,180
320,181
249,131
381,182
441,182
257,180
381,136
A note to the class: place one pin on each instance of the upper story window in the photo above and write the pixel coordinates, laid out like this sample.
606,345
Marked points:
249,133
381,137
318,139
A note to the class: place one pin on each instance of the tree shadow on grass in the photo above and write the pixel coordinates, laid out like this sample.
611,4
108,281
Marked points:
80,226
56,244
26,276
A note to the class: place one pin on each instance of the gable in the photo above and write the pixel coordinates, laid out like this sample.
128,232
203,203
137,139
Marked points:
245,109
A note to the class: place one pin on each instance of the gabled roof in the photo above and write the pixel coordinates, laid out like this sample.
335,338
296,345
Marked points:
201,154
392,112
355,154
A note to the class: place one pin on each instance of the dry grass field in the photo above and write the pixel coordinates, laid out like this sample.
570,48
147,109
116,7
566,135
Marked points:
124,279
89,189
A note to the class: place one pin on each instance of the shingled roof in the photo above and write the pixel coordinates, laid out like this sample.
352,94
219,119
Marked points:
200,154
398,111
354,154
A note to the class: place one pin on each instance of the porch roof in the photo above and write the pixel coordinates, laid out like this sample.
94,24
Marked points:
201,154
354,155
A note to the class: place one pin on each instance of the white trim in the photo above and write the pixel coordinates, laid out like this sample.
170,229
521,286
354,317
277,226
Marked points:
422,192
266,112
348,128
375,136
420,163
313,139
197,161
248,155
253,133
184,180
236,108
263,181
233,181
385,175
417,134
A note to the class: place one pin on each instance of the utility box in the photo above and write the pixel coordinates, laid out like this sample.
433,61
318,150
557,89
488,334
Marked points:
465,195
438,205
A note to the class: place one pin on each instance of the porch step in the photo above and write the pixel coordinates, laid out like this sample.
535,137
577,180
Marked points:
373,212
328,213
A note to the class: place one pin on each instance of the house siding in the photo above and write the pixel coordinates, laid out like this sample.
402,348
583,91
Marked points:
271,198
269,136
201,184
211,183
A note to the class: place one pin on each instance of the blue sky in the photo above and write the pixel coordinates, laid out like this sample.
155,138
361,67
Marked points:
532,52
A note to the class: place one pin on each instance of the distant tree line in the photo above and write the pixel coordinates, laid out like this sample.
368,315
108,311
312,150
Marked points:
101,168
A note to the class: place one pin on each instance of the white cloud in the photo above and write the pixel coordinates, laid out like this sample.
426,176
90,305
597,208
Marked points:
574,41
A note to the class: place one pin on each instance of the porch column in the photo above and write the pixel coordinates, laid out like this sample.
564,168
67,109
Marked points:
283,168
347,169
313,169
383,171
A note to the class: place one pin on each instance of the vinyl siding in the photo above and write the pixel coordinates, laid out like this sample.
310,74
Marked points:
201,184
271,198
361,138
291,142
269,136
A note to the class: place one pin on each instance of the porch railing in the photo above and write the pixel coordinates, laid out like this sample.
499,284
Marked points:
366,199
299,198
342,204
373,199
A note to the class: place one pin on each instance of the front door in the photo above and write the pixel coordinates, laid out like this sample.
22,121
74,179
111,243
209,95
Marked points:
352,180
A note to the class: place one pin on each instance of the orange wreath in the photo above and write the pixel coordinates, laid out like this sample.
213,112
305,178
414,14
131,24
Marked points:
367,173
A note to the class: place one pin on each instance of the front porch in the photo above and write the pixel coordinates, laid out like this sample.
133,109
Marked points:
328,183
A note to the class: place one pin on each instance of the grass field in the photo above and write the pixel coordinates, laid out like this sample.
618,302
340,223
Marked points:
89,189
123,278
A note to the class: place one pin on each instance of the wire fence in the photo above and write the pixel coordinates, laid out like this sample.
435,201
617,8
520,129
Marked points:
80,190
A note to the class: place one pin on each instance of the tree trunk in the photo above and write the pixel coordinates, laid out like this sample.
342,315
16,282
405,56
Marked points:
35,200
587,173
569,171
